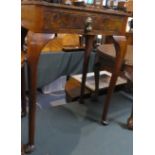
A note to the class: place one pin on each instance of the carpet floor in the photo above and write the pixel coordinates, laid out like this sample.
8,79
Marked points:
74,129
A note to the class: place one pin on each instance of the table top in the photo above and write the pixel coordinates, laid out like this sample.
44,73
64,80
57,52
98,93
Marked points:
44,17
71,7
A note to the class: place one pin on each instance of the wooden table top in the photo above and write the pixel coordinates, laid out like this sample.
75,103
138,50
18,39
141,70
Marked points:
44,17
71,7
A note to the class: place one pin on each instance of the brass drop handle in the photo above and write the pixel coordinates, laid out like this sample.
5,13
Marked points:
88,25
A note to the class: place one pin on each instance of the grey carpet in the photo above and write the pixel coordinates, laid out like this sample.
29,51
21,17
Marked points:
74,129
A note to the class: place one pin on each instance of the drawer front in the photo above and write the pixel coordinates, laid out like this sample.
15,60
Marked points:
67,21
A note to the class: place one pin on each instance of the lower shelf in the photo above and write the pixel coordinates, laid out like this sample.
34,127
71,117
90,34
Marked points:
73,86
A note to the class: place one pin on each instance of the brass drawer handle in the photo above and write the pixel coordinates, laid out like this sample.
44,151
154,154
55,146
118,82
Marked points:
88,25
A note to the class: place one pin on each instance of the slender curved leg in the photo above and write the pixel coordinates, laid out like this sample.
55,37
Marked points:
89,48
96,75
23,94
130,121
120,47
22,150
36,41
